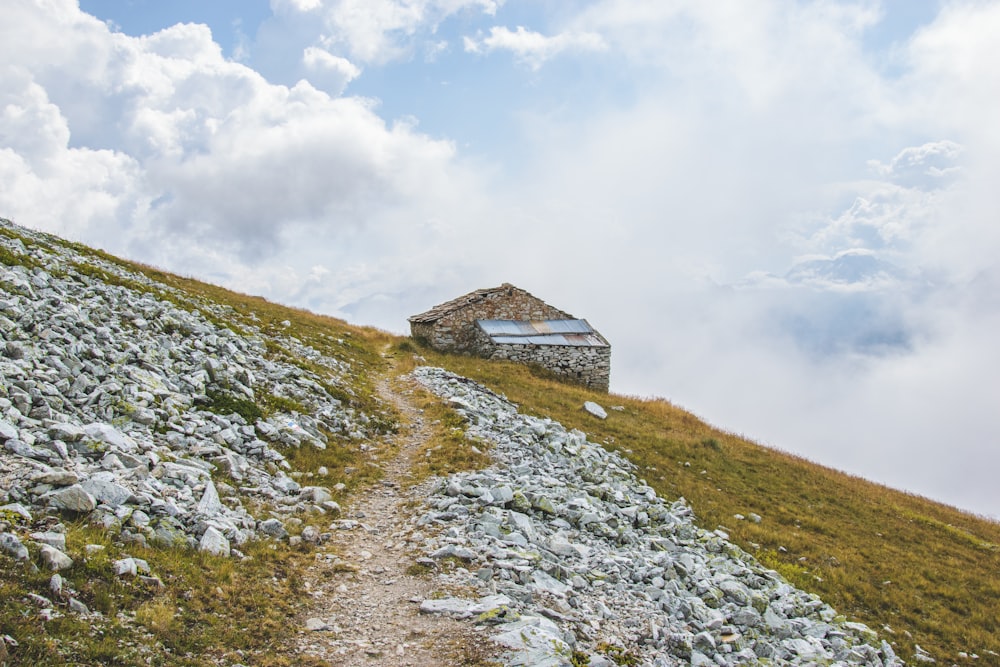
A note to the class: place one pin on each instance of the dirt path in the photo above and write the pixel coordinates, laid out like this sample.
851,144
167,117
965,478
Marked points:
366,605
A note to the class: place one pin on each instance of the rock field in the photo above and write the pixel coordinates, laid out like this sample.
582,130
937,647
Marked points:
105,389
572,556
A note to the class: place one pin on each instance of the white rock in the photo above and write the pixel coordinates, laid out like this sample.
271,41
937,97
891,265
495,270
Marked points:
73,499
54,559
125,567
214,542
8,431
111,436
316,625
105,489
11,545
57,540
210,504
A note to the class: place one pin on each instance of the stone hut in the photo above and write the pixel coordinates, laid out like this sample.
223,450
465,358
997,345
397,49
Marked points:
508,323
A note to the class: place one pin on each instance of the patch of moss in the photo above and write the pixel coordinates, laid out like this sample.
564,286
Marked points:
225,403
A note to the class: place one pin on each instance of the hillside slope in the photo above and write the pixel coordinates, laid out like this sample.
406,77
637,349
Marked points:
167,436
921,573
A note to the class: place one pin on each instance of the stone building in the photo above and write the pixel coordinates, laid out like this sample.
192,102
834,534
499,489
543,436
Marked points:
508,323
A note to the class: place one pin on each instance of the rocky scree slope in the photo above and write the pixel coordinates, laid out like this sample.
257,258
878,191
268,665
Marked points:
137,407
128,403
580,563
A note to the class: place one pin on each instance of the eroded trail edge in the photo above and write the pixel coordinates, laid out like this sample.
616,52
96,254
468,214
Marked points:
365,606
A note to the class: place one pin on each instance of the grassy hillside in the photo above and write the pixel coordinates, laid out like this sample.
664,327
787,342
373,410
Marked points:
201,609
916,571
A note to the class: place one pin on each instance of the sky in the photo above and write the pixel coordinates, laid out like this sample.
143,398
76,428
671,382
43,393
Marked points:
783,214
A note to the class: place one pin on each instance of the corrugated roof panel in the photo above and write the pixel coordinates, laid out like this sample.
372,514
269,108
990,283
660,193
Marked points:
576,333
572,340
569,326
505,327
530,328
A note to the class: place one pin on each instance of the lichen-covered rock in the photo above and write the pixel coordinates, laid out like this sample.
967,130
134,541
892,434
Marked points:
73,499
12,546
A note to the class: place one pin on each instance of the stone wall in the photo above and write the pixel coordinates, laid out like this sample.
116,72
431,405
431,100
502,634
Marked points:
457,330
589,366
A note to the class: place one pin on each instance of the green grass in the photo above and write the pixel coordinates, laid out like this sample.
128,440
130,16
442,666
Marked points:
448,449
209,608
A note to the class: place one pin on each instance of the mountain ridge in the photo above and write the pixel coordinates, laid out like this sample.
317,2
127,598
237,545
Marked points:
304,390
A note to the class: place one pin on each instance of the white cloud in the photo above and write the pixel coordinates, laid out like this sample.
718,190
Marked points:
531,47
433,49
767,52
952,80
934,159
327,71
193,144
77,192
367,31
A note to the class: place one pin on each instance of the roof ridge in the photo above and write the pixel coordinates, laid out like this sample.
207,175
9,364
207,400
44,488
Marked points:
442,309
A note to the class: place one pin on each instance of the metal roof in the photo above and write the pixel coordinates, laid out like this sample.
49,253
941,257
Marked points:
576,333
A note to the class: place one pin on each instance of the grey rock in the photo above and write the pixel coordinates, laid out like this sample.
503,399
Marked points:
331,506
105,489
110,436
584,545
11,545
315,494
57,477
54,559
54,447
538,639
66,432
125,567
285,484
699,659
317,625
77,607
451,606
210,503
214,542
8,431
548,584
57,540
23,449
73,499
17,509
453,551
272,528
595,409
